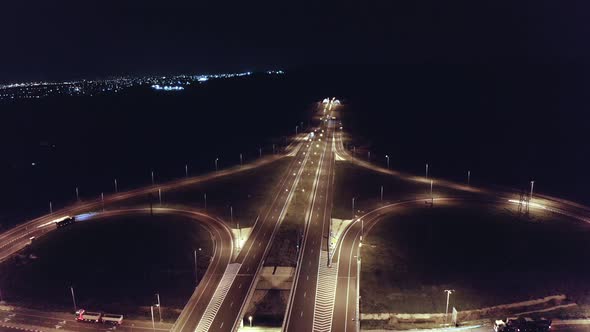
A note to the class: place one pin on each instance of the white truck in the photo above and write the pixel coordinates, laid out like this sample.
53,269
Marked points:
98,317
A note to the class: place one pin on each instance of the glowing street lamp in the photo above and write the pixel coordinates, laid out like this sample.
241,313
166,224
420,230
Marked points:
196,270
387,157
448,291
216,160
250,320
532,184
427,170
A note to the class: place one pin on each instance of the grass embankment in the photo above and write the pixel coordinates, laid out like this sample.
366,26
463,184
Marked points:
116,265
487,254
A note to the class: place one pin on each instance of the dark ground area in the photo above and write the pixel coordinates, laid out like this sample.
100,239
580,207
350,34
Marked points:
488,255
115,265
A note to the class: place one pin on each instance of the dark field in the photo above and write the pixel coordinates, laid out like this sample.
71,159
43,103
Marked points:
488,255
115,265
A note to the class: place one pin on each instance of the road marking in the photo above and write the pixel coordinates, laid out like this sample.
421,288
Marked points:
218,297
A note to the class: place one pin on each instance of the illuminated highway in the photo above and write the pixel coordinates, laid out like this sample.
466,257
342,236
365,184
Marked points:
305,311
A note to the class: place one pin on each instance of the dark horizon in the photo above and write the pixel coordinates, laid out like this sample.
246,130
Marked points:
102,39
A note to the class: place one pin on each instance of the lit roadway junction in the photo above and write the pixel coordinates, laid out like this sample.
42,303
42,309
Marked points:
325,288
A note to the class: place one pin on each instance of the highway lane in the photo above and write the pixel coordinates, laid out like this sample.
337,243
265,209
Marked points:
349,259
221,257
229,313
17,238
302,310
539,201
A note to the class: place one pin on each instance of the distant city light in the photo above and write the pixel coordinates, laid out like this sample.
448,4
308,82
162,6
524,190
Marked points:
36,90
167,87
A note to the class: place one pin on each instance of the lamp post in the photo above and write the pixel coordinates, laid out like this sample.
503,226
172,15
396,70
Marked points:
160,195
152,177
50,207
250,320
241,160
381,193
102,200
77,194
116,188
387,157
153,323
531,196
196,270
205,196
296,128
260,152
448,291
427,170
186,170
159,306
468,178
216,159
73,298
353,207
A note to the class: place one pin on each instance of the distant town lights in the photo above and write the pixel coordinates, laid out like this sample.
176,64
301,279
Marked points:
167,87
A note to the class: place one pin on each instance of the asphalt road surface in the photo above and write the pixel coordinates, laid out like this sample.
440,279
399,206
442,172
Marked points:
301,310
228,316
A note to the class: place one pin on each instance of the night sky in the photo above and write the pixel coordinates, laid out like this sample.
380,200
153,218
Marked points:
52,40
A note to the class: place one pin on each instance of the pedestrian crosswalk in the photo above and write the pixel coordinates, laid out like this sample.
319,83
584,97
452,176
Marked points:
220,292
325,295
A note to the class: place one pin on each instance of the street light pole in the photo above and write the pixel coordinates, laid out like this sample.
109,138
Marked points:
116,189
153,323
50,207
152,178
427,170
77,194
196,270
160,195
250,319
216,159
159,307
531,197
73,298
381,193
387,157
260,152
468,178
296,127
448,291
241,160
102,200
186,170
353,207
205,195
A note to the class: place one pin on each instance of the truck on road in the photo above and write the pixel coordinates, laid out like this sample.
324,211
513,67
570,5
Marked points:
522,324
98,317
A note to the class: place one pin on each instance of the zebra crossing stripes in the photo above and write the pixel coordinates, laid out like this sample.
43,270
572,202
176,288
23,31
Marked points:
325,295
217,299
